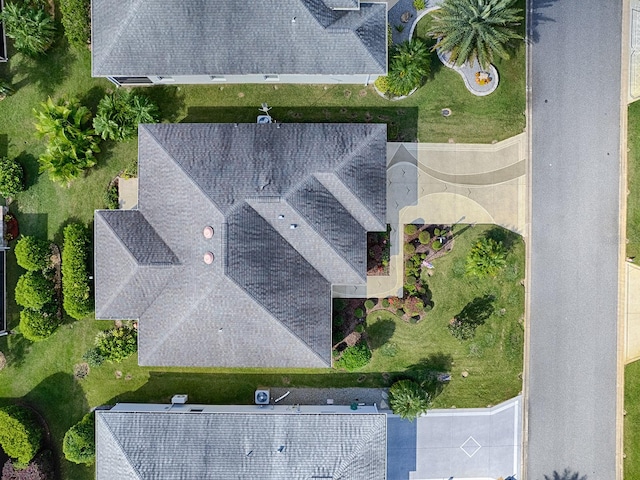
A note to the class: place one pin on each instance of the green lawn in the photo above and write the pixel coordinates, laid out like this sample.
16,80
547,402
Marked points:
633,182
41,374
632,421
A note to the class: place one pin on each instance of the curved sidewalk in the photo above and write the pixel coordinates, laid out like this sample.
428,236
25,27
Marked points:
445,183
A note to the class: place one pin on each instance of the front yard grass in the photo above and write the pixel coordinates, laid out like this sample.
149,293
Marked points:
631,465
633,181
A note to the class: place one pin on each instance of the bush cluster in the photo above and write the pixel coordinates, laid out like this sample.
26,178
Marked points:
20,434
486,258
76,290
34,291
30,26
79,444
40,468
113,346
32,254
76,21
120,113
11,177
38,325
354,357
112,197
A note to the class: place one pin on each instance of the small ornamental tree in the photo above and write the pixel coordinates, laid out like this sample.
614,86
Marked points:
34,291
486,258
32,253
120,113
409,64
11,177
76,290
408,400
38,325
20,435
76,21
79,444
40,468
354,357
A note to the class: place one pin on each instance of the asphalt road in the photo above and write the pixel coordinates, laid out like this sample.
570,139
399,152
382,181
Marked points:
575,120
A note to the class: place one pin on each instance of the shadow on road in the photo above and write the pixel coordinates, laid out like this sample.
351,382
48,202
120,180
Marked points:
567,474
538,16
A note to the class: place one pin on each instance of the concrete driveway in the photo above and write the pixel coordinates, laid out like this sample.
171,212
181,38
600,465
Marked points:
460,444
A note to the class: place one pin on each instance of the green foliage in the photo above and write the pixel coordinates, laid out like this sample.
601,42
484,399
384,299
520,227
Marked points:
40,468
359,328
358,312
476,29
354,357
408,400
475,313
410,63
338,321
76,21
339,304
20,435
34,291
79,444
437,245
385,303
32,29
410,229
6,89
486,258
38,325
32,254
71,144
419,4
120,113
117,344
424,238
369,304
409,248
76,290
111,197
11,177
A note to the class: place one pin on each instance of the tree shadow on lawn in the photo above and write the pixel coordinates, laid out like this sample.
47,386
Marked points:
426,372
232,388
46,72
402,122
379,331
92,97
4,144
15,347
170,101
504,236
31,168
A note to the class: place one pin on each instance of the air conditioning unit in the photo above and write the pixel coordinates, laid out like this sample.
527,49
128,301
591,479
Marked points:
181,399
262,397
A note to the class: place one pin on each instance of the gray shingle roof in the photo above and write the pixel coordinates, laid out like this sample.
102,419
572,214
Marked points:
225,446
265,300
197,37
341,3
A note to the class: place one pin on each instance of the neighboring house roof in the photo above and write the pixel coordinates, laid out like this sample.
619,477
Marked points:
257,444
196,37
289,204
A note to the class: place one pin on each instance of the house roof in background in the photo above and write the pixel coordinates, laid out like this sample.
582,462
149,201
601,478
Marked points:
290,205
221,446
196,37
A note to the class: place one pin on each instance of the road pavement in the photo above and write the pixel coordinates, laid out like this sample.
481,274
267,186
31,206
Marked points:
575,119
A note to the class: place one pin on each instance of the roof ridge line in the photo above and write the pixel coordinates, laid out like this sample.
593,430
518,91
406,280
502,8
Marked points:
124,453
257,302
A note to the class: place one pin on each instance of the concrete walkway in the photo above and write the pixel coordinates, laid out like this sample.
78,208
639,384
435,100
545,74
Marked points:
446,184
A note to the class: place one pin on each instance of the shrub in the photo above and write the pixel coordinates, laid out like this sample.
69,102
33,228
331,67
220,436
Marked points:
11,177
76,292
354,357
369,304
40,468
409,248
71,143
339,304
358,312
32,29
424,237
411,280
486,258
76,21
79,444
419,4
382,83
117,344
32,254
410,229
111,197
408,400
359,328
36,326
408,66
436,245
120,113
385,303
20,434
338,321
34,291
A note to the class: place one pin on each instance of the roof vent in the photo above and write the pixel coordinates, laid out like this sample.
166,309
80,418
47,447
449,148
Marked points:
281,448
207,232
262,397
293,226
208,258
280,217
179,399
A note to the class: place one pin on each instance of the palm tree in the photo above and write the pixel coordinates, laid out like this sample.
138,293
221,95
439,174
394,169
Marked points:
32,29
475,29
410,63
408,400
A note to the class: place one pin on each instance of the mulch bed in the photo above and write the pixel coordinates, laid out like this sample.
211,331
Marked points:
56,261
11,229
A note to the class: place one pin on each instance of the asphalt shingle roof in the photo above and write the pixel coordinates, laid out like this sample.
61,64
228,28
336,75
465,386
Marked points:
265,299
198,37
224,446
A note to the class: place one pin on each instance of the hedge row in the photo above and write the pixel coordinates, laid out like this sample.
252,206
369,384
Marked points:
76,290
76,21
